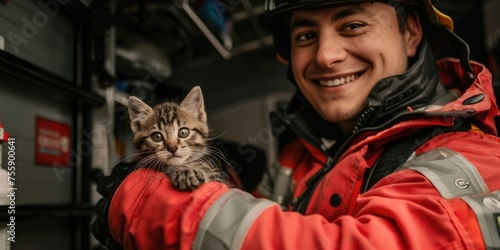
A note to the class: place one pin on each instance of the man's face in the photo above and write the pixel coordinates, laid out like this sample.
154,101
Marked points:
339,54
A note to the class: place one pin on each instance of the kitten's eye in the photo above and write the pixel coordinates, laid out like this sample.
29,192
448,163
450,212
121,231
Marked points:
183,132
156,137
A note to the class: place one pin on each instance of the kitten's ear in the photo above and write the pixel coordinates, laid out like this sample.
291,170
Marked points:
138,111
194,102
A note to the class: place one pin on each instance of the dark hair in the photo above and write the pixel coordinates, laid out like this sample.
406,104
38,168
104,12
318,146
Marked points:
403,13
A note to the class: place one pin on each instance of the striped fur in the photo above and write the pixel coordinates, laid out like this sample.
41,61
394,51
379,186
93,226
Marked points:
173,137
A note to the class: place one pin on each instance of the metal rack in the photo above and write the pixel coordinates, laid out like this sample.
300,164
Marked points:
186,38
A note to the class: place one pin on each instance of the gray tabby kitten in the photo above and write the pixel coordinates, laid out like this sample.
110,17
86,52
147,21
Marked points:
174,138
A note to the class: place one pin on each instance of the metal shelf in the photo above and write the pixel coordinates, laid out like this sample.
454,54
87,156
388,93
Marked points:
34,76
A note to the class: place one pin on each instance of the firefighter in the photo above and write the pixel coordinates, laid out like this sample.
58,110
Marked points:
395,147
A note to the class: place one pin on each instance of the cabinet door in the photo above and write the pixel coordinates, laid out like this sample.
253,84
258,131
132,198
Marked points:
40,33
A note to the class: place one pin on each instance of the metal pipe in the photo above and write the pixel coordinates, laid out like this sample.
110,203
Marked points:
205,30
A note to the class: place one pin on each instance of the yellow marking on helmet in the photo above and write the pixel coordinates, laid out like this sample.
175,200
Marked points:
476,129
444,20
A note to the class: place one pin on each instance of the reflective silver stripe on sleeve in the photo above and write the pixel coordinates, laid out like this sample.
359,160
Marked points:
277,185
282,186
450,173
266,185
487,210
227,221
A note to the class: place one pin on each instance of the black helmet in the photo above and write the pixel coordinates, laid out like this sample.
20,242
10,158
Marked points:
440,30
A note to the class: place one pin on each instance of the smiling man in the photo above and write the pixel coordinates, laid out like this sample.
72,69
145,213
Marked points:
344,52
394,149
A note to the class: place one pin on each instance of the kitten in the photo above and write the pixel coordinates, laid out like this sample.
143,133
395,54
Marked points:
174,137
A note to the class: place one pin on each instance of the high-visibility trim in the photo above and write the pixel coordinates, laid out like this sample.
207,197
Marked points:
487,210
450,173
283,186
266,184
228,220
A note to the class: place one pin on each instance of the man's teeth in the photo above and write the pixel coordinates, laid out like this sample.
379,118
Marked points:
337,81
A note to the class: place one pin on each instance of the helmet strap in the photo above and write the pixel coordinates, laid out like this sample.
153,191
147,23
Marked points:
458,48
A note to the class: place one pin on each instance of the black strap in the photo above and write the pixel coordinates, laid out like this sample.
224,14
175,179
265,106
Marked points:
496,89
401,149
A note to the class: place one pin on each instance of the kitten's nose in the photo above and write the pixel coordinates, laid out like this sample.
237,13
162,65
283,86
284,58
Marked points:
172,148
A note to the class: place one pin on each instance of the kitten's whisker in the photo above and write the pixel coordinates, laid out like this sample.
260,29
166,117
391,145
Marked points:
155,164
136,165
150,161
200,157
208,160
217,152
128,157
141,163
216,136
131,156
213,161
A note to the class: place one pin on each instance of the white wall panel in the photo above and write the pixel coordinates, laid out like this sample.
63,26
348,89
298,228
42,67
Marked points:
18,109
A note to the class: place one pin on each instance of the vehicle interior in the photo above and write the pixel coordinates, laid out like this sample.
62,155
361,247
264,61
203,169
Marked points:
67,68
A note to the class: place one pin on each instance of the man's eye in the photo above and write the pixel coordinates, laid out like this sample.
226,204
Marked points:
305,37
353,26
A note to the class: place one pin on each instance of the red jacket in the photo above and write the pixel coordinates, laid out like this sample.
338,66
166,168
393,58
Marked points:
408,209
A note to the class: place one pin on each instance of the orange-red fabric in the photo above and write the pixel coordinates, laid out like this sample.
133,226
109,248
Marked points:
402,211
146,212
470,229
452,74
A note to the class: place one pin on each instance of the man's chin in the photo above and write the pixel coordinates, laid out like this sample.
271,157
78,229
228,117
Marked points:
344,121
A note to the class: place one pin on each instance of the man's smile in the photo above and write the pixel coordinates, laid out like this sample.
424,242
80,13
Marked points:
339,80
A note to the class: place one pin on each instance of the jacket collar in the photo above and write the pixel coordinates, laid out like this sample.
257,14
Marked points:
418,87
478,95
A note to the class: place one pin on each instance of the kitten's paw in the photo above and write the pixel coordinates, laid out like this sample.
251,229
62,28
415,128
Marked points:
187,179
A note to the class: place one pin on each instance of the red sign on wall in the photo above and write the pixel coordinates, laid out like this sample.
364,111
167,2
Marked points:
52,143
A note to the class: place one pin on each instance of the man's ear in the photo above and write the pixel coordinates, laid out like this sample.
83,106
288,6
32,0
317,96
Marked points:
413,35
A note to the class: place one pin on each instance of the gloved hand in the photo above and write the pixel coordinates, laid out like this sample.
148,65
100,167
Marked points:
107,187
147,212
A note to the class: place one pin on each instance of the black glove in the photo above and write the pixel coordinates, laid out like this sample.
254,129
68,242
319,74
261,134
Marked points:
107,187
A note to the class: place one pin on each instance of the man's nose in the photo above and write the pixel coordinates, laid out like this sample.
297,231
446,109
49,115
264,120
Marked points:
330,51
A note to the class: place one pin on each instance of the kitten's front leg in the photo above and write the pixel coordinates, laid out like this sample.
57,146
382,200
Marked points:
185,178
